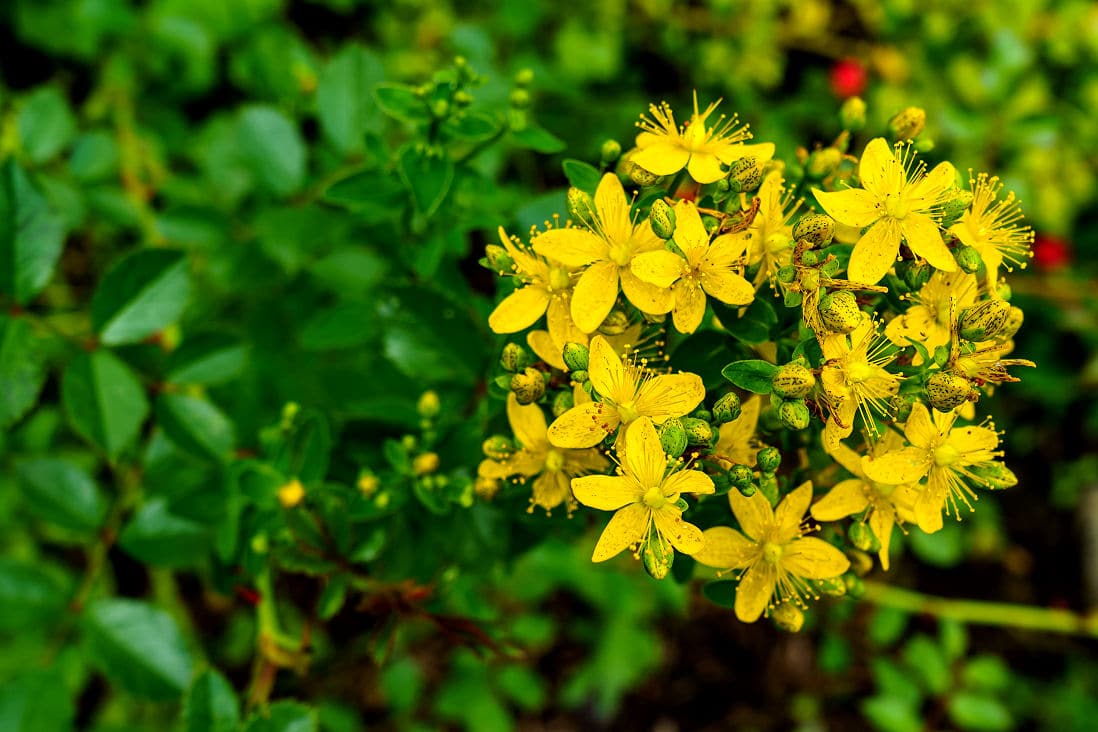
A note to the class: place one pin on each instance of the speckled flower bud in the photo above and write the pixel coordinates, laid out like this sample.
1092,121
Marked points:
792,381
984,320
852,114
636,173
817,229
908,124
580,205
823,162
839,311
658,558
528,386
575,356
698,432
915,274
1013,323
662,218
616,323
514,358
953,208
862,537
744,175
740,476
727,408
787,274
673,437
794,414
788,617
833,586
968,259
946,390
769,460
562,401
900,407
580,376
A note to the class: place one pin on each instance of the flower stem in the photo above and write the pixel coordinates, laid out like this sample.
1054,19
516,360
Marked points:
1027,617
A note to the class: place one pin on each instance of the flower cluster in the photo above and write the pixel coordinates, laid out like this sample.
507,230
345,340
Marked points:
857,305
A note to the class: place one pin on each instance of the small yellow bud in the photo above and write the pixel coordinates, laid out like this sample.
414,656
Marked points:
907,124
745,175
528,386
984,321
368,484
839,311
514,358
1013,324
852,114
788,617
562,402
662,218
498,258
823,162
497,447
425,463
291,494
862,537
673,438
485,488
428,405
793,381
817,229
946,390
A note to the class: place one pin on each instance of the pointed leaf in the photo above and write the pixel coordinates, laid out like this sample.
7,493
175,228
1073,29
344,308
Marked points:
31,235
61,493
105,402
142,294
22,370
211,704
427,175
196,425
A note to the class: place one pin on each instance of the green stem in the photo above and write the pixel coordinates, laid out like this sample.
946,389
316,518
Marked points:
1007,615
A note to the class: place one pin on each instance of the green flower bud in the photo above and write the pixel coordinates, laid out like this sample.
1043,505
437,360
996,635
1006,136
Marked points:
1013,323
658,558
524,77
833,586
830,267
581,207
839,311
710,223
576,356
702,413
580,376
862,537
698,432
794,414
519,99
1004,291
673,437
915,274
462,98
946,390
994,475
907,124
787,274
793,299
810,258
616,323
720,483
562,401
852,114
741,476
748,490
497,447
636,173
769,460
900,407
854,585
662,218
727,408
498,258
815,228
744,175
440,108
823,162
792,381
984,320
529,386
968,259
428,405
722,185
514,358
788,617
954,207
609,152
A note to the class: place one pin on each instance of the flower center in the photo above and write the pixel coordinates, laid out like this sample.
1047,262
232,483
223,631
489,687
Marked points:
859,371
945,455
621,254
554,461
654,498
559,279
776,244
628,411
895,206
772,552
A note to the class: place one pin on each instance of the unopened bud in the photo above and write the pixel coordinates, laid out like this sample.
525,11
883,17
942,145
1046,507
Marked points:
528,386
562,401
815,228
498,258
915,274
657,557
769,459
514,358
609,152
486,488
368,483
823,162
833,586
1013,323
425,463
744,175
581,207
862,537
698,432
662,218
968,259
519,98
291,494
428,405
810,258
794,414
580,376
673,437
839,311
946,390
854,585
900,407
788,617
954,207
616,323
575,356
852,114
908,124
740,476
636,173
497,447
727,408
440,108
984,321
793,381
994,475
462,98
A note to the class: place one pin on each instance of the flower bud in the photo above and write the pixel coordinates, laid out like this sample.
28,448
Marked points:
810,258
817,229
498,258
915,274
900,407
839,311
984,321
792,381
428,405
832,586
440,108
994,475
562,401
609,152
852,114
862,537
823,162
908,124
787,274
788,617
702,413
529,386
658,558
616,323
580,376
462,98
769,459
968,259
698,431
954,207
854,585
519,99
673,437
744,175
291,494
575,356
368,483
636,173
425,463
794,414
580,205
747,490
727,408
1013,324
946,390
662,218
514,358
524,77
741,476
485,488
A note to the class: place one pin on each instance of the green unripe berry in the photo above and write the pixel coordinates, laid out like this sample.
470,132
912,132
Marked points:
823,162
769,459
497,447
576,356
946,390
984,321
1013,323
968,259
793,381
673,437
908,123
528,386
498,258
787,274
727,408
580,376
794,414
839,311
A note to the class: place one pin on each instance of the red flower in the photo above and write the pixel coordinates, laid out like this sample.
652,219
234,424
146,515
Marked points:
848,78
1051,252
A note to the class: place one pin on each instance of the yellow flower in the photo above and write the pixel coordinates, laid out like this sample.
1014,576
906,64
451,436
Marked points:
927,321
665,148
550,351
645,497
992,227
736,440
898,200
547,288
984,364
769,235
708,269
628,393
554,467
773,551
607,252
886,505
942,454
854,379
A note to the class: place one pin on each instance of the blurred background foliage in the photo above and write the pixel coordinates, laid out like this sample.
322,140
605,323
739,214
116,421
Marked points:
237,249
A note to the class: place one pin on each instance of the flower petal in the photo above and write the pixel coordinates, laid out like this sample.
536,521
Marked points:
763,151
919,429
659,268
755,590
704,167
689,307
754,513
922,235
688,481
790,512
626,528
845,499
875,252
607,373
527,422
606,492
727,286
669,395
519,310
559,318
878,170
571,246
853,207
661,158
584,425
594,296
684,536
882,522
814,558
976,444
550,489
904,466
929,190
929,503
726,548
644,458
545,348
648,298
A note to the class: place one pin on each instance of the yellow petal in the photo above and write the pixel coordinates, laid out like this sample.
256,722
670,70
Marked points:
570,246
606,492
559,318
763,151
661,158
493,469
727,286
519,310
930,189
613,208
734,439
727,248
754,514
648,298
845,499
659,268
814,558
879,170
688,481
626,528
550,489
929,503
875,252
853,207
584,425
704,168
685,537
755,590
924,239
904,466
582,462
726,548
644,458
669,395
790,512
919,428
974,443
882,522
545,348
607,373
594,296
689,307
527,422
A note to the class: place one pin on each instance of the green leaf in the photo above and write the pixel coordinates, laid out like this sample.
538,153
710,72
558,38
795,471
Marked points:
156,536
46,124
284,716
953,637
273,149
721,592
139,647
94,157
344,104
753,375
22,370
59,492
373,194
892,714
144,293
986,673
29,595
345,325
196,425
427,176
207,359
428,337
926,661
522,686
753,326
887,626
538,139
400,102
581,175
36,700
471,126
105,402
31,235
971,711
332,598
211,704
